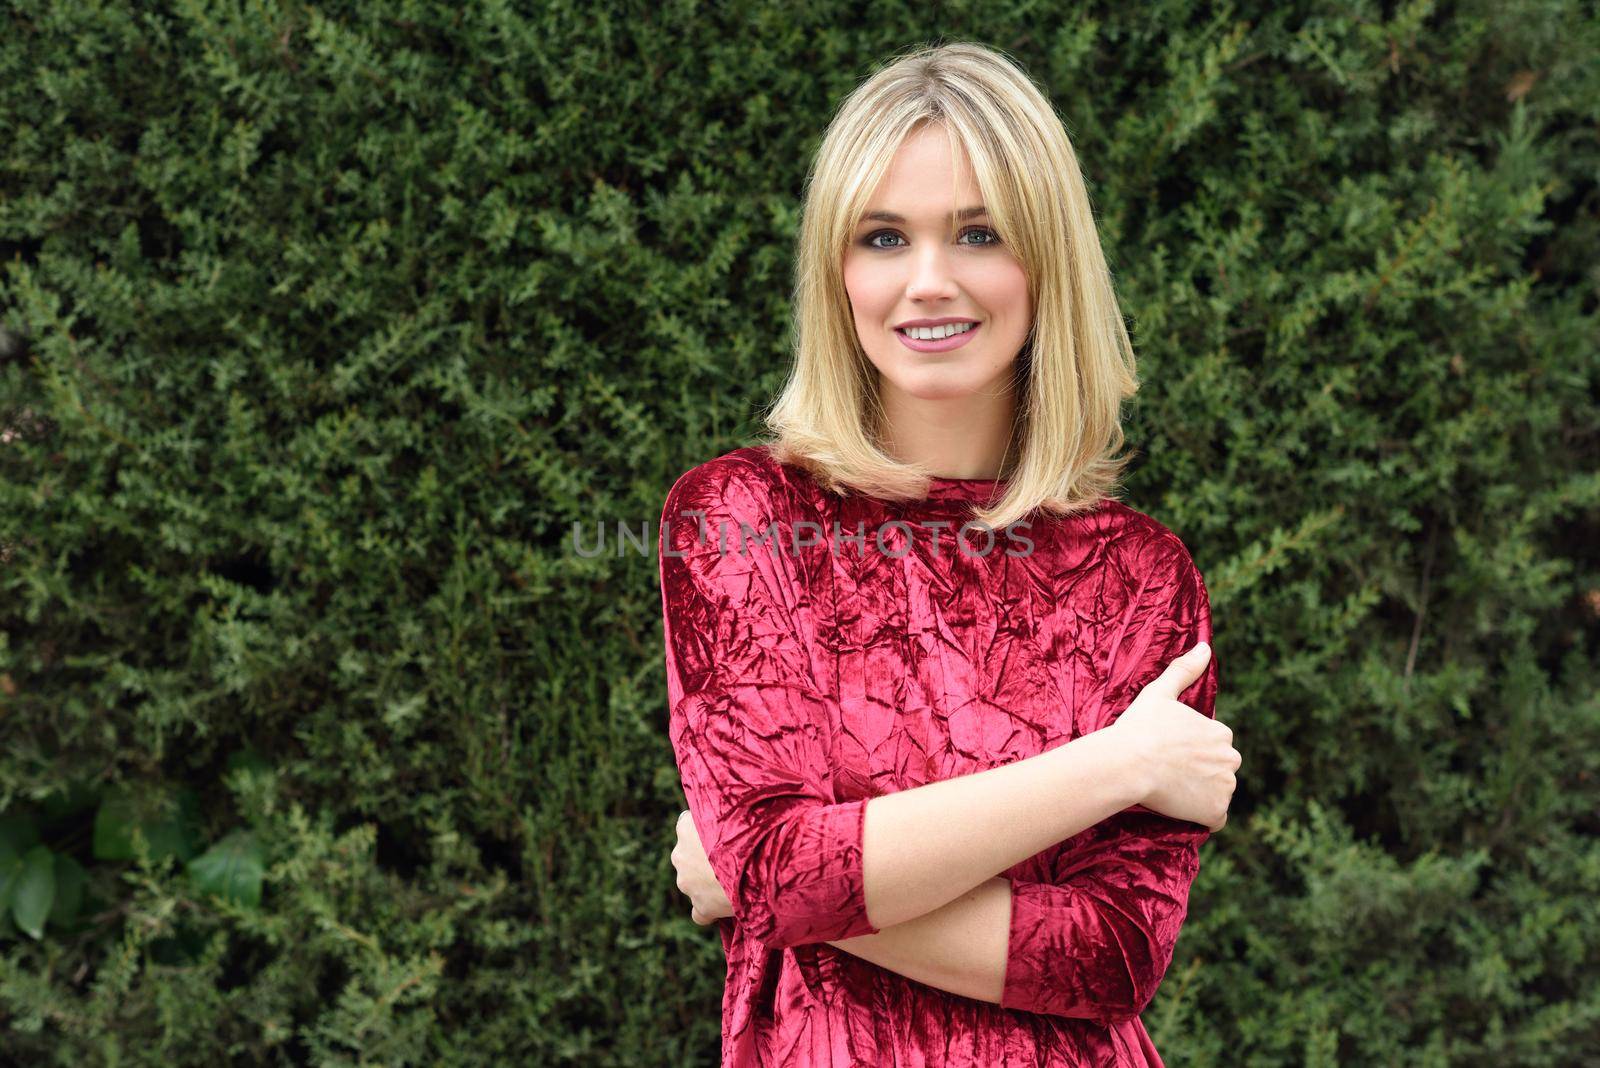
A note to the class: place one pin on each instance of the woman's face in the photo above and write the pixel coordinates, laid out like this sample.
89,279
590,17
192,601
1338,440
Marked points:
930,264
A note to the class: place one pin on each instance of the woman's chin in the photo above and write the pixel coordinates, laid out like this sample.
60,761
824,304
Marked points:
938,383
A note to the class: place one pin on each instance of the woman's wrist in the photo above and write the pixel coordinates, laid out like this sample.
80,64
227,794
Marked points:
1125,763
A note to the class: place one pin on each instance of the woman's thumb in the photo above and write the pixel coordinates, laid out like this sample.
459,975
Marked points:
1182,672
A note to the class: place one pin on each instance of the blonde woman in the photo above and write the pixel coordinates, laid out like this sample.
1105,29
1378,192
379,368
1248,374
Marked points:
943,708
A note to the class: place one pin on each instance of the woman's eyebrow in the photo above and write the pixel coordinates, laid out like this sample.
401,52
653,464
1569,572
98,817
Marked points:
891,217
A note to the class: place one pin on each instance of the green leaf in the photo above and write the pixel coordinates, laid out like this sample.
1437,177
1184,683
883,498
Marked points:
233,869
113,828
10,870
35,890
168,827
70,880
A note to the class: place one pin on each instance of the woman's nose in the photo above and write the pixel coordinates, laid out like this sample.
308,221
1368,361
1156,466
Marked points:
931,274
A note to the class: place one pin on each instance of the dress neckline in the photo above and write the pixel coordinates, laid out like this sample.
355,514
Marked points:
965,488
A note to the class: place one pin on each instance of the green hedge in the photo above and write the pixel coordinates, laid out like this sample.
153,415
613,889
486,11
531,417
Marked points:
323,325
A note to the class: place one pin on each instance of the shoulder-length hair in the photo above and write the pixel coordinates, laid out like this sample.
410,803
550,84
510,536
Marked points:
1077,364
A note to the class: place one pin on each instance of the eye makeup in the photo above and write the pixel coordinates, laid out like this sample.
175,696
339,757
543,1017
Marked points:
867,241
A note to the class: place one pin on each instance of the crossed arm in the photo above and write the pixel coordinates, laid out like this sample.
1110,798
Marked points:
960,948
964,947
1093,942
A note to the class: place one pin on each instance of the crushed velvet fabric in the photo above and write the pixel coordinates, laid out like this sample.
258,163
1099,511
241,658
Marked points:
804,682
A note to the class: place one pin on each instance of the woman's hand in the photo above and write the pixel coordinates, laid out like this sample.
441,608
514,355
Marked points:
1188,756
695,879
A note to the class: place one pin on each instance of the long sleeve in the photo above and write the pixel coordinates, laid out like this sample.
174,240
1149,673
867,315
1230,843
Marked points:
1095,942
748,725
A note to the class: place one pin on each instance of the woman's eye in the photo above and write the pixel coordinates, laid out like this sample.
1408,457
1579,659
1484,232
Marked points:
871,241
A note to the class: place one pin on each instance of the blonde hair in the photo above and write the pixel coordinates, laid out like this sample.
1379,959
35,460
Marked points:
1077,365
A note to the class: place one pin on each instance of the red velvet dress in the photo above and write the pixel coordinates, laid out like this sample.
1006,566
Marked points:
882,656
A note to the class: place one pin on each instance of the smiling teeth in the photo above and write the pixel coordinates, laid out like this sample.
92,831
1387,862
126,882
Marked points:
934,333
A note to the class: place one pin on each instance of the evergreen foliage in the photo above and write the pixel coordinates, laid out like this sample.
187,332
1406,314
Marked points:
322,325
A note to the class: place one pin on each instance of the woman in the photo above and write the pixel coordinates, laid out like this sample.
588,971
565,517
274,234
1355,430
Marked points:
942,707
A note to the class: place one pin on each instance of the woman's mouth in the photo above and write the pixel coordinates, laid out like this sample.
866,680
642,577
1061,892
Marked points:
943,344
